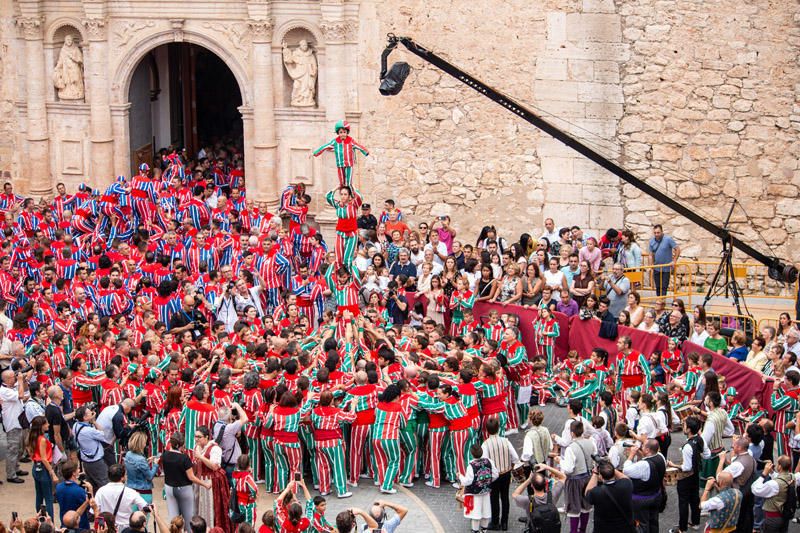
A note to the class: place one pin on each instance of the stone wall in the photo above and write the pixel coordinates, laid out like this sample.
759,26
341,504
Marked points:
700,97
711,114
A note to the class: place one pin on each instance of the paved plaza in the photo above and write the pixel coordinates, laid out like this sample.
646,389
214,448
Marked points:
431,510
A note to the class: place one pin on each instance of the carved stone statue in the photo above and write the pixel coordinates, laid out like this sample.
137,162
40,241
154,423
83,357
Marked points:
68,75
301,64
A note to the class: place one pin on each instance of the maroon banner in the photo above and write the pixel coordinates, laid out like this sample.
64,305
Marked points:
583,337
747,382
526,318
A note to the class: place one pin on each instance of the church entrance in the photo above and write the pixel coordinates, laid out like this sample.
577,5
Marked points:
182,96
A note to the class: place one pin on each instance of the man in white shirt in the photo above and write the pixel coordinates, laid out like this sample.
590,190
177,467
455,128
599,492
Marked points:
503,456
775,490
723,508
792,342
574,409
550,231
647,475
116,498
12,396
438,247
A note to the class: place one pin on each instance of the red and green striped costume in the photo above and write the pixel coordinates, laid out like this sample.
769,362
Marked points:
346,227
346,296
389,420
456,450
546,334
326,423
633,372
460,301
437,434
251,403
247,493
785,403
196,414
519,373
366,398
345,153
285,423
492,402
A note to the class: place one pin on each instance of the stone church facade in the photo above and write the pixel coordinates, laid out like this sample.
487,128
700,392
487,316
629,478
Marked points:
700,98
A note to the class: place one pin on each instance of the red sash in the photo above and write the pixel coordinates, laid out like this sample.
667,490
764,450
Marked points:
327,434
347,225
138,193
286,437
493,405
632,380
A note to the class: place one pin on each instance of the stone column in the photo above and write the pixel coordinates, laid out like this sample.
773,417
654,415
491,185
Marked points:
336,33
263,181
37,168
101,133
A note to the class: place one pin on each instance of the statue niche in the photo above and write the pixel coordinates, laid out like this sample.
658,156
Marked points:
301,65
68,74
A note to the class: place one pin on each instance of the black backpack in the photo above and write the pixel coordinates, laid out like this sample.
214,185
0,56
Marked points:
543,517
790,506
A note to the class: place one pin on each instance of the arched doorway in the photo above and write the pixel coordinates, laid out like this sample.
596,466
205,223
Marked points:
182,95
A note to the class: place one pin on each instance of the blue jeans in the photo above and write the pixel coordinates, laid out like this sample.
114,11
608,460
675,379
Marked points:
43,484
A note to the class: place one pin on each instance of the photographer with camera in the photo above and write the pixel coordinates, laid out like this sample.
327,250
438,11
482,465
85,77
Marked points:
346,521
91,443
540,508
138,521
13,394
609,491
189,318
117,499
386,524
225,432
73,494
113,422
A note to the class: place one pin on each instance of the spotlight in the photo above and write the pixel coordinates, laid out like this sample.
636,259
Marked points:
783,273
392,83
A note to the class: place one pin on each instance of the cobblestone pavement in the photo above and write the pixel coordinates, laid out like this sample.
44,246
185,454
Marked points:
440,503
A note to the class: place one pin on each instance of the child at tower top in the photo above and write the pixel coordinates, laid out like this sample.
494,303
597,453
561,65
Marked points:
344,149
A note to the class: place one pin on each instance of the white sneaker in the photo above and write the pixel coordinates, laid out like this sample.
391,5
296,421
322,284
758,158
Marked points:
562,510
389,491
456,485
352,484
524,426
362,476
407,485
431,485
376,483
344,495
511,432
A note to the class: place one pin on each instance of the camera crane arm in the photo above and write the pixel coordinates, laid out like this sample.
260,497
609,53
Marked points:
777,269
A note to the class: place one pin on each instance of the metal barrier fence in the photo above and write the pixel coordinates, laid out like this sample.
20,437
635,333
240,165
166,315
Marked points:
693,278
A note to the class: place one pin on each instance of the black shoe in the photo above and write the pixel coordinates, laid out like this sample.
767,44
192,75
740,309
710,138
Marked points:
522,519
493,526
25,460
16,480
504,526
22,473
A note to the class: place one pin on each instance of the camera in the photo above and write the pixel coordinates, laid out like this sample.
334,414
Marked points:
230,286
147,509
600,459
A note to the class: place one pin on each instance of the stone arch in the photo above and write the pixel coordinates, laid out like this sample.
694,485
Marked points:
296,24
60,23
124,71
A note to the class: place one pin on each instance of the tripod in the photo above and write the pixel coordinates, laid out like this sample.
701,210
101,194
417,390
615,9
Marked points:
730,286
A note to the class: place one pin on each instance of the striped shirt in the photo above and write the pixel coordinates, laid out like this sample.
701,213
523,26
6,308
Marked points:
500,451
